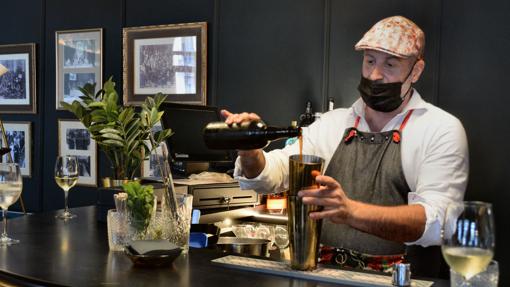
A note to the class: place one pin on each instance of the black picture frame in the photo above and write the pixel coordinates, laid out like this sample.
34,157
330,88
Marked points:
79,60
171,59
18,84
75,140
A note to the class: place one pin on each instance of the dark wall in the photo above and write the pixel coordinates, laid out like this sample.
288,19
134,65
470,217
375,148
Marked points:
112,16
474,65
352,18
271,57
65,15
30,30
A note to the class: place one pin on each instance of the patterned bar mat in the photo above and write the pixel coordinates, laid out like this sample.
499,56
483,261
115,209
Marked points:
320,274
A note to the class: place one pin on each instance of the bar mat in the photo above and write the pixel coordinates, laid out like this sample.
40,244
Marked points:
320,274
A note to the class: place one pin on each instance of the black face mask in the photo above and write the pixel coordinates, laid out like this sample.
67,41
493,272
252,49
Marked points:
382,97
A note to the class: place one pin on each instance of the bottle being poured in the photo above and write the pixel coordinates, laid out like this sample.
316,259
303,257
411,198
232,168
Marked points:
246,135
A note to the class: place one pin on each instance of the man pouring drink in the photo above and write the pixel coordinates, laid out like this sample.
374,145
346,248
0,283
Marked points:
393,162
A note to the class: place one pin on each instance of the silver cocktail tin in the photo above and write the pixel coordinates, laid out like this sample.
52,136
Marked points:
401,274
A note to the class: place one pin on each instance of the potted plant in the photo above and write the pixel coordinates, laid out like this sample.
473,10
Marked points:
140,203
121,132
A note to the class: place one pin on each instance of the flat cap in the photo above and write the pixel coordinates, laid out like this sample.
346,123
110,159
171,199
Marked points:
394,35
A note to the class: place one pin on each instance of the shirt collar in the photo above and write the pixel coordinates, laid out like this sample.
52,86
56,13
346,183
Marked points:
415,103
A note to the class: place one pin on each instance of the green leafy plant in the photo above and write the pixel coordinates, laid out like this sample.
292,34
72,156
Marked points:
140,202
121,132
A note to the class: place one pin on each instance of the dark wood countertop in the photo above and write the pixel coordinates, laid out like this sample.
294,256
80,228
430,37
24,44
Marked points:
75,253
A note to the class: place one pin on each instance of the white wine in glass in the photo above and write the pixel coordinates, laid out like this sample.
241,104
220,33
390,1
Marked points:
468,240
11,185
66,176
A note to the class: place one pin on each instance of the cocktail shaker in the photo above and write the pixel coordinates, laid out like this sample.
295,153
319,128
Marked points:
304,233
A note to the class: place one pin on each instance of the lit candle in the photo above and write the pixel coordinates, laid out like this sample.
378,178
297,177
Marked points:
276,204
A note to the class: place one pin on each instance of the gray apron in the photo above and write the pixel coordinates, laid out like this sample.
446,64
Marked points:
369,168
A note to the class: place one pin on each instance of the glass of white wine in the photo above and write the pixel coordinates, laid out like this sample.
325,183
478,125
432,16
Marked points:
66,176
11,185
468,237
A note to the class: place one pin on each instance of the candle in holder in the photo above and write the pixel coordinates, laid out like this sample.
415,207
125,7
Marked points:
276,203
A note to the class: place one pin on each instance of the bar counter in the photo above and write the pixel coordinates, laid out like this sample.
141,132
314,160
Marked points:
75,253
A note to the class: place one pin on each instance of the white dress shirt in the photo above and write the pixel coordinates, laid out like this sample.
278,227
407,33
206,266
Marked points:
434,157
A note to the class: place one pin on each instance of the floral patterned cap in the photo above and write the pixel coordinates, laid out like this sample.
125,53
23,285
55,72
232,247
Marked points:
395,35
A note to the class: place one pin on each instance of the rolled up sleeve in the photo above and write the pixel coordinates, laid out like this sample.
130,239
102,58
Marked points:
266,182
441,179
274,177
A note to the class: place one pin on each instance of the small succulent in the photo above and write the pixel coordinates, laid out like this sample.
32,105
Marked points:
140,203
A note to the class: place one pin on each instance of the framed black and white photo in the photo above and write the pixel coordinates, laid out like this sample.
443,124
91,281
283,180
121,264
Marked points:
19,139
171,59
17,84
79,61
74,139
151,165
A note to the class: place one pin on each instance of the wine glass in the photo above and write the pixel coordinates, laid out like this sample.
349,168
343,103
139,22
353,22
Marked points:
266,232
281,239
11,185
468,237
66,176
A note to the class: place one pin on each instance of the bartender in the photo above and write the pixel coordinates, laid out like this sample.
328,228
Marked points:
393,161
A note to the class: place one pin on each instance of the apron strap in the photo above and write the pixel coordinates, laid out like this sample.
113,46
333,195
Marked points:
402,125
356,122
352,131
397,134
404,122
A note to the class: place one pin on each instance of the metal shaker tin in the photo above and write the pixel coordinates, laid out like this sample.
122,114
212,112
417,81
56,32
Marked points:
401,274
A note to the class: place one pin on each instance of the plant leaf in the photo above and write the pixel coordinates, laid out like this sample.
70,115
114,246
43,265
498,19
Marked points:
112,136
114,142
109,130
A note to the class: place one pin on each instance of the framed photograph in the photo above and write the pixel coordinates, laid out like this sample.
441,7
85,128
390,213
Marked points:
150,166
171,59
17,84
79,61
74,139
19,139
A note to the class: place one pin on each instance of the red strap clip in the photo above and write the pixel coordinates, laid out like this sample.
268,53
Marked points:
396,137
350,136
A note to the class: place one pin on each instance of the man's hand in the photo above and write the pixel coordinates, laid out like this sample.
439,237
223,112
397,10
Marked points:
231,118
402,223
337,206
252,161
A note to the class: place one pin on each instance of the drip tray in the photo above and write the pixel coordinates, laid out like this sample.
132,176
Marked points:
320,274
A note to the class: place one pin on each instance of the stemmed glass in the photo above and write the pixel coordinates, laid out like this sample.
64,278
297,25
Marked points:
468,237
66,176
11,185
281,239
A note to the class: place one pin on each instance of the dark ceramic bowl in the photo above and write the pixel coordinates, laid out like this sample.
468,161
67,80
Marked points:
158,260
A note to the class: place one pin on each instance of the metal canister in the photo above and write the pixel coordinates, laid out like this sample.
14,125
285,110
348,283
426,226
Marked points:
304,232
401,274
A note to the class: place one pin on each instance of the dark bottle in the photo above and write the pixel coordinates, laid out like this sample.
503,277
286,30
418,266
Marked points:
245,136
307,118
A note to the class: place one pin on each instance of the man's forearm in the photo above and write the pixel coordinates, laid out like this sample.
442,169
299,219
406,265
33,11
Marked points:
252,162
404,223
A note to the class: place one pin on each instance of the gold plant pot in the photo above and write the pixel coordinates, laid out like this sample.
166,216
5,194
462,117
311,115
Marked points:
109,182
